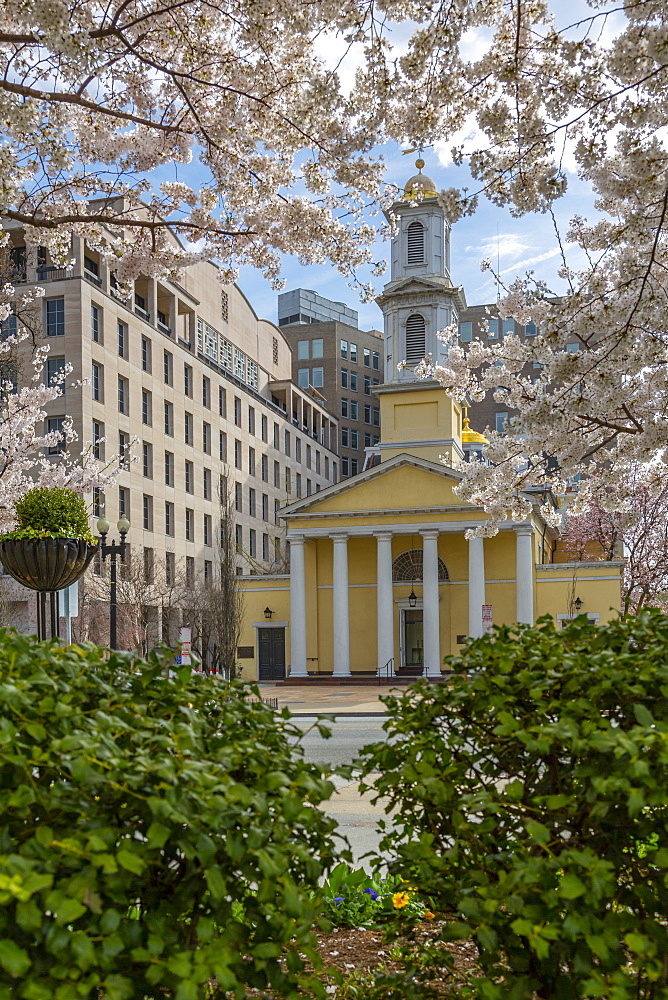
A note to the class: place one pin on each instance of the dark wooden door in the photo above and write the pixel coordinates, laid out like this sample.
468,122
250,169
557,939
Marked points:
271,654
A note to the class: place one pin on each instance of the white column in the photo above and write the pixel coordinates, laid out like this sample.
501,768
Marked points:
341,618
297,608
431,627
524,573
476,585
384,596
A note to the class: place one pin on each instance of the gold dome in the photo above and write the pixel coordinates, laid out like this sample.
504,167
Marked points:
469,436
420,184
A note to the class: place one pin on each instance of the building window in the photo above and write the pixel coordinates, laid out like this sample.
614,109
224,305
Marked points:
265,547
376,416
222,446
55,372
190,525
252,546
206,484
169,419
501,422
238,497
353,381
251,420
367,440
344,467
298,449
265,507
353,353
367,357
207,529
237,411
415,339
169,468
376,361
344,378
251,461
98,439
190,570
95,324
276,437
367,385
302,350
146,355
188,428
239,537
318,378
298,484
170,566
188,380
287,443
265,429
302,378
169,520
97,381
508,326
277,475
122,339
55,318
415,243
123,450
353,409
147,460
206,438
317,461
493,328
326,467
466,332
344,437
222,402
316,348
309,487
354,465
251,502
168,368
146,408
148,513
123,501
344,407
208,570
308,456
148,565
206,392
288,480
277,507
343,349
264,469
530,330
237,454
190,477
354,439
275,350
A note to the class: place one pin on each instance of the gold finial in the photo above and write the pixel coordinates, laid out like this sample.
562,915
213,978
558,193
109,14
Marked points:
467,424
470,436
419,163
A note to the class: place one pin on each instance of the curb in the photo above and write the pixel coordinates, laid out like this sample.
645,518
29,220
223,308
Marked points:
339,715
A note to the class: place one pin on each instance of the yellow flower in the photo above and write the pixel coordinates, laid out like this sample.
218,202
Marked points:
428,915
400,899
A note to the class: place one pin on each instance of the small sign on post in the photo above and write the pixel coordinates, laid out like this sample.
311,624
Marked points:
487,618
185,638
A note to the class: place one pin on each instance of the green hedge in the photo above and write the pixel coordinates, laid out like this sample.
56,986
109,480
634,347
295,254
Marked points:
155,832
531,798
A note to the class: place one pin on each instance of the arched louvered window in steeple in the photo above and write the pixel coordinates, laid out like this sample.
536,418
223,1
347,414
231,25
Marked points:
415,243
415,339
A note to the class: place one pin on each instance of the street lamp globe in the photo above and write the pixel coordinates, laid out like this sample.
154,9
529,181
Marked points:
123,524
102,525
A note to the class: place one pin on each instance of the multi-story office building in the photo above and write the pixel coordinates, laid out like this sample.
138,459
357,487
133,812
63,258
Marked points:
203,385
301,305
343,364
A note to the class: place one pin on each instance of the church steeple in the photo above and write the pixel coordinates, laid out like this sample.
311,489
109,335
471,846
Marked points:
420,299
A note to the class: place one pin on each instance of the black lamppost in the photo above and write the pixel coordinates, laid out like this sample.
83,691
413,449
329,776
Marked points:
112,550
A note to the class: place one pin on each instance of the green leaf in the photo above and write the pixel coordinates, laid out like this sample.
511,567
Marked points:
13,959
69,910
643,715
537,831
571,887
130,861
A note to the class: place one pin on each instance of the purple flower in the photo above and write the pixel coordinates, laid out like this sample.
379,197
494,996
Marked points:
339,899
372,893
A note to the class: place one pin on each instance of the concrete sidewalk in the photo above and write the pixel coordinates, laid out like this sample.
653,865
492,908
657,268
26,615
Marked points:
335,700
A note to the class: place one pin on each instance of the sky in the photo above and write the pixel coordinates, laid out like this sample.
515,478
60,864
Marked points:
516,245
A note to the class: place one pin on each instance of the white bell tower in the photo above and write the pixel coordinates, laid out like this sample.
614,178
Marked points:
420,299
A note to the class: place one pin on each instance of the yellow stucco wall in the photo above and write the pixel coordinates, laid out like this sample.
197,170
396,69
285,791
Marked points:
596,584
420,414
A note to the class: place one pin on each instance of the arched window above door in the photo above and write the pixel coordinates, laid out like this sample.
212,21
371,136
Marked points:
407,567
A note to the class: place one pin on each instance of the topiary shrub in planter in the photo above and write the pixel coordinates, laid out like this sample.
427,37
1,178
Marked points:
52,544
531,798
154,837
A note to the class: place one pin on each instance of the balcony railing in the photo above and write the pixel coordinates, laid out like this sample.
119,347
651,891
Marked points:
53,273
143,313
163,326
94,279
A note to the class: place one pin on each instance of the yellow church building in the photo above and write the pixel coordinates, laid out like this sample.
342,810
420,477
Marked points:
383,580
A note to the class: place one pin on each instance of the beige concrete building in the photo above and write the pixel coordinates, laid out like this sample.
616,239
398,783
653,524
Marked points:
204,386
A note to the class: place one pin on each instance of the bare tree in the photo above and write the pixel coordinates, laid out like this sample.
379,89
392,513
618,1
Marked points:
213,606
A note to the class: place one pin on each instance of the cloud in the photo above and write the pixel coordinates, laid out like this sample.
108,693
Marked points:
504,245
528,261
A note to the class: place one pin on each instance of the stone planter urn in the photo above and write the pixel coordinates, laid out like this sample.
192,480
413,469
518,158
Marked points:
46,564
